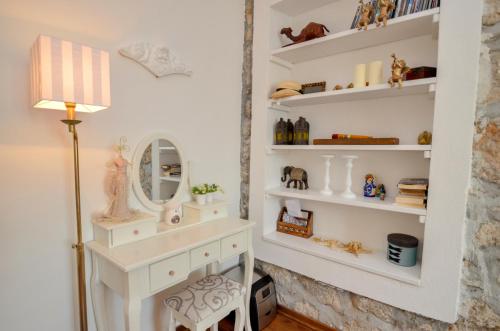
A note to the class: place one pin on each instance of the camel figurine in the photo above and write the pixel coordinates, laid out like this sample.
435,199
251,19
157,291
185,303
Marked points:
399,69
367,12
385,9
309,32
295,175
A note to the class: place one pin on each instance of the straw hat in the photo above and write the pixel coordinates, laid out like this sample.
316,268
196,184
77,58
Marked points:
284,93
289,85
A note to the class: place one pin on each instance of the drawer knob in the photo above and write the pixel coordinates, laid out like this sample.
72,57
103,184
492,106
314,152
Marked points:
171,273
136,232
207,254
235,246
216,212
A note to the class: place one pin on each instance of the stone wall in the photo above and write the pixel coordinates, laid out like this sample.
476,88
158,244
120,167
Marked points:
480,294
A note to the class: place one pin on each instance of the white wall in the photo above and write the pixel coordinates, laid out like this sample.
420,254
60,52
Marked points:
36,197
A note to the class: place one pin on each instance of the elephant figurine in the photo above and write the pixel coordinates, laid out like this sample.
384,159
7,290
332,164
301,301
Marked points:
295,175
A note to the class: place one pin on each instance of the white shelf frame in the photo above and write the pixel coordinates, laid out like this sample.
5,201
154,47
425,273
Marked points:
395,148
404,27
171,178
374,262
360,201
412,87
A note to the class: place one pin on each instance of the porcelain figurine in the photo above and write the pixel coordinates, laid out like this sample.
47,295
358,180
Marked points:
385,8
399,69
380,191
369,189
296,175
367,12
118,185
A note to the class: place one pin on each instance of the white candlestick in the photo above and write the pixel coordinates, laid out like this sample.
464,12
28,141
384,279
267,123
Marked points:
348,193
327,190
360,75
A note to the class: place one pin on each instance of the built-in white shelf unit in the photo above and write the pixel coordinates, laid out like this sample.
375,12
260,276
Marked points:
440,37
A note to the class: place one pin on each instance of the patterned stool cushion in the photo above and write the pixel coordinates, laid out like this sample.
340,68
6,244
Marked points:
201,299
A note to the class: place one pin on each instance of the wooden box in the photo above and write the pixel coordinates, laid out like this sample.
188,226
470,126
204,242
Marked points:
299,230
194,212
421,73
113,233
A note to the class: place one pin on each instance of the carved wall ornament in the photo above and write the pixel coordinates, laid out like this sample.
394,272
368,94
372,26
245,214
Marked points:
159,60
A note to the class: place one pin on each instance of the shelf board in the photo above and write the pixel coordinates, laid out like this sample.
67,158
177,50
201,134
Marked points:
416,148
360,201
167,148
400,28
412,87
374,262
296,7
171,178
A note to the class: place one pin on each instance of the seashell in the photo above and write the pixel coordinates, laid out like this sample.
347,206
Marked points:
159,60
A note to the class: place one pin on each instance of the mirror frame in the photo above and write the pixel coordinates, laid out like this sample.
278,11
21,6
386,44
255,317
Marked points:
136,181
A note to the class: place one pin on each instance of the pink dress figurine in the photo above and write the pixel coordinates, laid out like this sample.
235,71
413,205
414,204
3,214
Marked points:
118,186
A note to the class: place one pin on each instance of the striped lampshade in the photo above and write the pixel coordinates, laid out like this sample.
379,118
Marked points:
63,71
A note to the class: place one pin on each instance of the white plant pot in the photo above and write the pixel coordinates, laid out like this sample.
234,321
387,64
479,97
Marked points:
210,197
201,199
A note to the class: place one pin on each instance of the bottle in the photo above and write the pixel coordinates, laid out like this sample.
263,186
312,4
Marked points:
280,134
301,133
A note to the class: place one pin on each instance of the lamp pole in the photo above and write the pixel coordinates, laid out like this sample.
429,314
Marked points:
71,122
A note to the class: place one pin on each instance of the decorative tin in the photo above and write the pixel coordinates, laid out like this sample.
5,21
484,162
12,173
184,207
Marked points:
280,133
402,249
289,132
313,87
301,132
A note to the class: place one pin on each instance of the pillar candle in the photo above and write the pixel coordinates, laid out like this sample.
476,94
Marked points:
360,75
375,73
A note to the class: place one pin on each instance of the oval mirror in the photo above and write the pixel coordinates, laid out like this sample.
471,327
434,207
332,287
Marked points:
159,172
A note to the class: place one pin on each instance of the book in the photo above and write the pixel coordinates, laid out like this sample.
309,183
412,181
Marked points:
416,193
414,181
412,187
408,199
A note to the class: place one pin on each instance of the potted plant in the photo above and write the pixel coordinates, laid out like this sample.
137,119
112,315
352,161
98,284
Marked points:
200,193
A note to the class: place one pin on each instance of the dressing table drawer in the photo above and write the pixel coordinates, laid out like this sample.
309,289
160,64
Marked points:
203,213
112,233
168,271
134,232
233,245
205,254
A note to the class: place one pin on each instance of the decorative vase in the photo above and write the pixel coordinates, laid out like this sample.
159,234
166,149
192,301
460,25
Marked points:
201,199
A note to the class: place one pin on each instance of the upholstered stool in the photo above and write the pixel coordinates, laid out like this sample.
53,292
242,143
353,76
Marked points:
204,303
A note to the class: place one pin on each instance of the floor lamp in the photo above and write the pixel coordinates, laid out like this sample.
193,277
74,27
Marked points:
74,78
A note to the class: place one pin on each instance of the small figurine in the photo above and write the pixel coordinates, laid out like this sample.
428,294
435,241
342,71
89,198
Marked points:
367,12
399,69
338,87
295,175
425,138
385,9
309,32
351,85
380,191
370,186
118,185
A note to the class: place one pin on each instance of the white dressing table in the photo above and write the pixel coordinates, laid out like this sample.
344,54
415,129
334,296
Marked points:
141,269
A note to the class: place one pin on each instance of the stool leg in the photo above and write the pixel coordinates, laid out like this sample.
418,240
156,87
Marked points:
170,320
240,317
215,327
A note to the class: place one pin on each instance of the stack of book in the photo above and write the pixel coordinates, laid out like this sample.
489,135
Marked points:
173,170
412,192
402,7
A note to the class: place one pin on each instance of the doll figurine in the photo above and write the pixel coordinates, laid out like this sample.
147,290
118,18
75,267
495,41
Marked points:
399,69
380,191
118,185
370,186
367,12
385,9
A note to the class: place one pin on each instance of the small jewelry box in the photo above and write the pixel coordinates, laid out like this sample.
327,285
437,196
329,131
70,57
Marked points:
112,233
402,249
194,212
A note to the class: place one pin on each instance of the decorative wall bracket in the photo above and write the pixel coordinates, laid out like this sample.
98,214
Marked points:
158,60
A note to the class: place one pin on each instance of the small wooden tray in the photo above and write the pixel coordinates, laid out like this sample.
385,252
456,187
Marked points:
293,229
365,141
